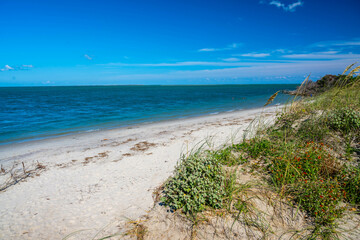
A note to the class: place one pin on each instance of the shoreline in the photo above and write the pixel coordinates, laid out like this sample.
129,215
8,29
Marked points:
82,134
102,127
105,177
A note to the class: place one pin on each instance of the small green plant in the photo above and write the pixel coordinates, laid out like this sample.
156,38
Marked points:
225,157
309,162
320,199
198,183
228,156
345,120
254,147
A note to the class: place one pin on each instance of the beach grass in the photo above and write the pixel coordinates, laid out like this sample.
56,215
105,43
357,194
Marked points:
309,157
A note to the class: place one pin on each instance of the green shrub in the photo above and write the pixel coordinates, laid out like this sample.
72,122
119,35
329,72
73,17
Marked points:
198,182
345,120
320,199
310,162
308,173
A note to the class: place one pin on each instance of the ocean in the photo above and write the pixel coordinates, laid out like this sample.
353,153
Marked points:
30,113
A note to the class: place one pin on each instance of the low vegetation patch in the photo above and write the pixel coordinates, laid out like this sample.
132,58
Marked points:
309,156
197,184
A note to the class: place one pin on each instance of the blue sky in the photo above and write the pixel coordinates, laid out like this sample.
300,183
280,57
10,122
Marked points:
175,42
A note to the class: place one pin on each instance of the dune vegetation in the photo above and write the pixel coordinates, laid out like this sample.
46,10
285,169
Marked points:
308,157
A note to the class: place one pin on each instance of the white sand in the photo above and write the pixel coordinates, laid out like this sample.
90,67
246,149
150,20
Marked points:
102,178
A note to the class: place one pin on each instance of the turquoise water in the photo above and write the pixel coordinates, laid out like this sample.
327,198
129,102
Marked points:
28,113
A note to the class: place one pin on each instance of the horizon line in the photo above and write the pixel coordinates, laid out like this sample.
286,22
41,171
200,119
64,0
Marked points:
145,85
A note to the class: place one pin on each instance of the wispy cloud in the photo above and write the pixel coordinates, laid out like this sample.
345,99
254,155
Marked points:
87,57
227,62
253,55
6,68
294,5
260,64
16,68
330,55
229,47
178,64
289,7
281,50
232,59
207,50
258,70
344,43
27,66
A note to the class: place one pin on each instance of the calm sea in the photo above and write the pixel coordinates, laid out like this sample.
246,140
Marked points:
28,113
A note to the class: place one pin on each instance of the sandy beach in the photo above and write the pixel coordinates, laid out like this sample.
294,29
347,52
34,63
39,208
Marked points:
97,181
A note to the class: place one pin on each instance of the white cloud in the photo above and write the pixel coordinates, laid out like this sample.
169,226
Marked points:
292,7
47,82
251,69
276,3
289,8
87,57
16,68
178,64
27,66
255,55
6,68
235,45
280,50
346,43
229,47
323,55
207,50
231,59
329,52
230,62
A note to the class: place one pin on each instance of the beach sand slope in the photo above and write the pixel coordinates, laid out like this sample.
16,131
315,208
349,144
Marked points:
95,182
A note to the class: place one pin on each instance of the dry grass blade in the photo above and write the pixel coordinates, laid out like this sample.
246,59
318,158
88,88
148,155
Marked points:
303,86
345,76
354,71
356,82
271,99
348,68
342,85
